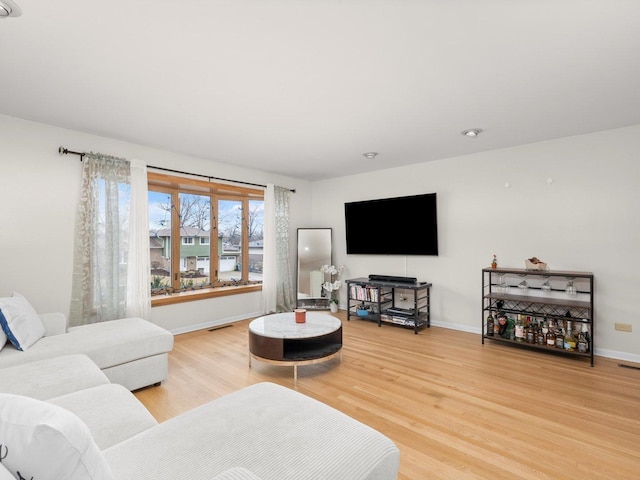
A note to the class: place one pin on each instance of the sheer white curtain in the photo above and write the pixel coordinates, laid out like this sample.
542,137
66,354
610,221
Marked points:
139,264
111,252
277,291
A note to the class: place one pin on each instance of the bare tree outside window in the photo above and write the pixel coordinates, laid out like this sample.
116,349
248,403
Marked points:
212,232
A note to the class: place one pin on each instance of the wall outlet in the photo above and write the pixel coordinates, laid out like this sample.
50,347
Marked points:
623,327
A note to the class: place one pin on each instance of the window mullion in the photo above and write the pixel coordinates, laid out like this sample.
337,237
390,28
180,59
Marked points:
176,240
245,239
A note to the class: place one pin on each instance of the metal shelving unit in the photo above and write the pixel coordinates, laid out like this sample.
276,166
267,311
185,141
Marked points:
544,296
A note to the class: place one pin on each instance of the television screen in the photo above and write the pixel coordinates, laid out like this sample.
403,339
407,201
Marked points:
392,226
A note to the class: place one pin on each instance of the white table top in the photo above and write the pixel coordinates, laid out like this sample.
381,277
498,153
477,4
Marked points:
283,325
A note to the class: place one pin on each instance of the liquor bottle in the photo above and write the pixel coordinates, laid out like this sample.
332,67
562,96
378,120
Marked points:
490,324
559,337
540,336
528,331
520,337
570,341
503,325
551,338
583,340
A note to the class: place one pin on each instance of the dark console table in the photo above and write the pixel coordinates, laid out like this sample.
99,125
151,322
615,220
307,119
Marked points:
387,301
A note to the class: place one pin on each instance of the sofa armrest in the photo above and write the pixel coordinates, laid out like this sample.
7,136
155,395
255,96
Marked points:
54,323
236,473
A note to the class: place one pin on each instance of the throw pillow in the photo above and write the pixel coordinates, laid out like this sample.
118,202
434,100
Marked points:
20,322
3,337
43,441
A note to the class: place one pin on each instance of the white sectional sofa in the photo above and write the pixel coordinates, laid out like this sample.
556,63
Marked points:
261,432
131,351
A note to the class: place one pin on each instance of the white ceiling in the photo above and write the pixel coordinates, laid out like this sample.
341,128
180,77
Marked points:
304,87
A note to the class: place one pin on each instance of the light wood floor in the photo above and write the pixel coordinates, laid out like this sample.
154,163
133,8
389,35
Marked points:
456,409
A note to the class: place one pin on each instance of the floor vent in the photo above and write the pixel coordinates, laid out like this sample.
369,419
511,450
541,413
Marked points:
213,329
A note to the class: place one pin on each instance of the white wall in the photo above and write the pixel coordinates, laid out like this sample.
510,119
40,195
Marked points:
38,195
586,220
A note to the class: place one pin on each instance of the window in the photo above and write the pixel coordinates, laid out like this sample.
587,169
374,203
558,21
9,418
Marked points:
185,215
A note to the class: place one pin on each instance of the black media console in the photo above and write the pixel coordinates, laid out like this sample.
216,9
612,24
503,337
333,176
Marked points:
401,301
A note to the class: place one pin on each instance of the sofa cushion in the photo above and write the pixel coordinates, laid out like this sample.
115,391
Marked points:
107,343
270,430
111,412
52,377
46,442
20,322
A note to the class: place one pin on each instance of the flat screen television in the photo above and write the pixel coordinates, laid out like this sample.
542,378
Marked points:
392,226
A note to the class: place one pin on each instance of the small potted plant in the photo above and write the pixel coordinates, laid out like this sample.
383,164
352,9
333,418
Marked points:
332,286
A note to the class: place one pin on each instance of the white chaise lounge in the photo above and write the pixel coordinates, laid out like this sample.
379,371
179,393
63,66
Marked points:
261,432
131,351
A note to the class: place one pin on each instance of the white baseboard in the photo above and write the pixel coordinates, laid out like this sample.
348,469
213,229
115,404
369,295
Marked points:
600,352
213,323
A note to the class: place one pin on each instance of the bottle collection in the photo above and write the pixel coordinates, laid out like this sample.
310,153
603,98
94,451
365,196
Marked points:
552,333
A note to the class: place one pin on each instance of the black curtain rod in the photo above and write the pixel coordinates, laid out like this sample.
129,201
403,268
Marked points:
66,151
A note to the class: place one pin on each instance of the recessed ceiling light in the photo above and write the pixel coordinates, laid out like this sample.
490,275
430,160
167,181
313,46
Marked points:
472,132
9,9
370,155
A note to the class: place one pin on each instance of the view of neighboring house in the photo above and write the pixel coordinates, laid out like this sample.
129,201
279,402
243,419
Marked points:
194,252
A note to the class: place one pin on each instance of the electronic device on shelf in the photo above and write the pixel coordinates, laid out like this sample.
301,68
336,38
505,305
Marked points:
392,278
400,311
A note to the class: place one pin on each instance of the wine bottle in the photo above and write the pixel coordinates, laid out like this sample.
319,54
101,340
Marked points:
490,324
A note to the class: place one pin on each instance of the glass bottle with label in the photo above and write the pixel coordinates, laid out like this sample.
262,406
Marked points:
583,340
559,337
503,325
551,338
529,332
490,324
511,329
540,336
520,336
570,341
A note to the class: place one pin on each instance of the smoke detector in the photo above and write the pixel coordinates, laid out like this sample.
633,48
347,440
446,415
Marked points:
8,8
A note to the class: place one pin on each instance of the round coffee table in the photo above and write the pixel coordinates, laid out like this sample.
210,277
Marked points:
277,339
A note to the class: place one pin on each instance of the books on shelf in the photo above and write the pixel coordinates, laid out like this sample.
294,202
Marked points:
365,294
